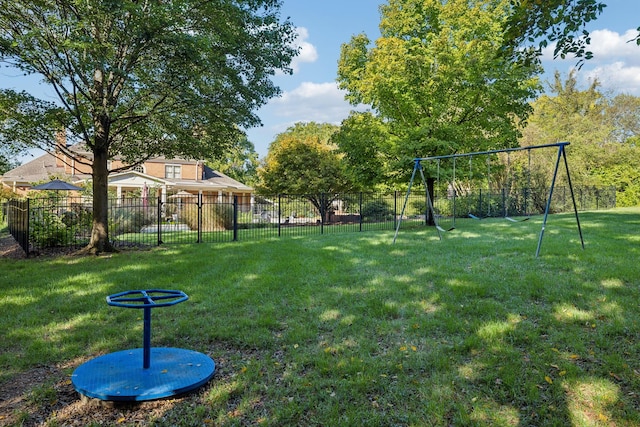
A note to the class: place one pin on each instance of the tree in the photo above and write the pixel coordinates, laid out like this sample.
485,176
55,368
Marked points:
240,162
365,141
142,79
624,114
438,80
6,164
303,161
559,21
601,131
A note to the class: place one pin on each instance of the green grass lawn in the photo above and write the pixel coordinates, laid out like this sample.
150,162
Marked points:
351,330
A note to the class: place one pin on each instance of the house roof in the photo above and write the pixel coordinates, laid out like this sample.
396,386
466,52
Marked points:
213,181
39,169
44,167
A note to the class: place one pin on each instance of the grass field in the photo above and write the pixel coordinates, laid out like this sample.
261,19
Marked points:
352,330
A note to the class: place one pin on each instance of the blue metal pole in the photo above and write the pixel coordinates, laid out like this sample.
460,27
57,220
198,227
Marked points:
416,166
573,198
553,184
146,338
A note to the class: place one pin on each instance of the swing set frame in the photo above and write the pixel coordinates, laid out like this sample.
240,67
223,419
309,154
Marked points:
562,155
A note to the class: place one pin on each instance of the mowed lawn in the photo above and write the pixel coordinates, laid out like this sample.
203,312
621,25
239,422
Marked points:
349,329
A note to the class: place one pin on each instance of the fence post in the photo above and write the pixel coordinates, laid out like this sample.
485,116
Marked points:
323,212
199,218
159,220
395,209
279,215
360,211
235,218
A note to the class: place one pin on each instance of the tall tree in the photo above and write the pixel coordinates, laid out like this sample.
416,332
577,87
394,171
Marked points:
141,79
624,115
365,141
240,162
602,131
438,79
303,161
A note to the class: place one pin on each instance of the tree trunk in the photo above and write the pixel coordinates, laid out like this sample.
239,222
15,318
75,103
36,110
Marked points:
429,216
100,229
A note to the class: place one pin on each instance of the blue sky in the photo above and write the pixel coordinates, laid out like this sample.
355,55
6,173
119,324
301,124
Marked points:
311,94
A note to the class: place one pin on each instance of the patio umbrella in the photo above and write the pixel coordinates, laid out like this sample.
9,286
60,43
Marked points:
145,195
57,185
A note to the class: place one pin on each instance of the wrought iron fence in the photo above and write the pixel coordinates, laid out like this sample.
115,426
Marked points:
66,222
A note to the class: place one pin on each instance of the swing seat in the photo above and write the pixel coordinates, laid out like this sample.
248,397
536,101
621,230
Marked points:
526,218
444,230
472,216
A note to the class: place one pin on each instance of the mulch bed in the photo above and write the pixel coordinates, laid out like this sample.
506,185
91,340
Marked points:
9,248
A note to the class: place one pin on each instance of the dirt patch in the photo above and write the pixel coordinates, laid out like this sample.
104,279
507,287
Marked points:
45,396
9,248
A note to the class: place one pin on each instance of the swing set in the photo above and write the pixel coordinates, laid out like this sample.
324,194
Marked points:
431,212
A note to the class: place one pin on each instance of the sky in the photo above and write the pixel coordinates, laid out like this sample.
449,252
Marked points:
311,93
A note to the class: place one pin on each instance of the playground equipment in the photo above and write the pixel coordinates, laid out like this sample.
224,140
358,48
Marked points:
506,196
562,155
129,375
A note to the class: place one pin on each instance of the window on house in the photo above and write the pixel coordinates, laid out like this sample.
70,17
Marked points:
138,168
172,171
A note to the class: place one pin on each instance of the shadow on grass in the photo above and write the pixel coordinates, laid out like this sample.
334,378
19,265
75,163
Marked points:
352,330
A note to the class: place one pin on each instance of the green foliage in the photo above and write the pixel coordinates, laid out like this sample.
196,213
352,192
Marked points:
26,122
438,80
601,131
131,219
366,143
551,21
349,329
141,79
377,210
215,217
6,164
48,229
240,162
302,160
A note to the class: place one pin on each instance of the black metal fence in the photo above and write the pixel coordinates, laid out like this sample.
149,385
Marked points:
66,222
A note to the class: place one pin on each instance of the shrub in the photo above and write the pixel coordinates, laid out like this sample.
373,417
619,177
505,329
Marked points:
131,220
48,229
215,216
376,210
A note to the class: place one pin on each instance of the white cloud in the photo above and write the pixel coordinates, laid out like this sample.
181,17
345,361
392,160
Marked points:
308,102
607,44
615,62
618,77
308,52
319,102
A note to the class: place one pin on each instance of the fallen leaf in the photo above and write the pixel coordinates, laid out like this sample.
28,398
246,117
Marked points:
548,379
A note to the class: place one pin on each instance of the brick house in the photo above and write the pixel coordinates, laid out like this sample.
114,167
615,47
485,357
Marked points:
162,176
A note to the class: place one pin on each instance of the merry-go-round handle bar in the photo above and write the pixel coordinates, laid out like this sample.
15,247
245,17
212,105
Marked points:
147,298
